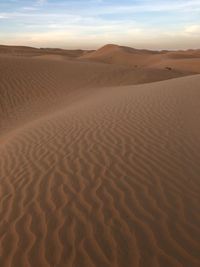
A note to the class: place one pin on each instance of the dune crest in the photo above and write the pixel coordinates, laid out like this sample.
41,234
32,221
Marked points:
183,61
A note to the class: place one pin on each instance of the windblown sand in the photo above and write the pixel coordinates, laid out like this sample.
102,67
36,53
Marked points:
93,174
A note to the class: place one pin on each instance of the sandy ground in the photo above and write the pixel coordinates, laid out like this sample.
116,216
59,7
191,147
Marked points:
99,161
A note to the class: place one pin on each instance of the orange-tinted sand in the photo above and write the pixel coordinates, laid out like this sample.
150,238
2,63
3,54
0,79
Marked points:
98,169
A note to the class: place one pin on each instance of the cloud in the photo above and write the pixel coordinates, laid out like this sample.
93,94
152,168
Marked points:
4,16
193,29
94,36
147,6
144,23
41,2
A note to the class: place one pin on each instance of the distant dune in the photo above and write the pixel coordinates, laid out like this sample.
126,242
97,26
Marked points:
183,61
120,55
98,169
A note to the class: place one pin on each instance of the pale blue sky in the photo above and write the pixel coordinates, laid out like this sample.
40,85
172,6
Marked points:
154,24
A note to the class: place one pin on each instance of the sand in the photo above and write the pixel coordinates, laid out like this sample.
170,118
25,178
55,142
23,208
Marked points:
187,61
98,169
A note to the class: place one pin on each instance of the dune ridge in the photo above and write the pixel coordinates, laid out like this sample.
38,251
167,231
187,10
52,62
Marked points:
97,175
182,61
32,86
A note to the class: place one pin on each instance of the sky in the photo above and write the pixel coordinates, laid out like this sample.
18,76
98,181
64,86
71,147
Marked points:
89,24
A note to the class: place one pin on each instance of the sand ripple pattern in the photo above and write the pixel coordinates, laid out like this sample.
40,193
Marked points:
110,181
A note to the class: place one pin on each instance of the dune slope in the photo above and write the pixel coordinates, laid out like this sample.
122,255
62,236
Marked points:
33,86
187,61
111,179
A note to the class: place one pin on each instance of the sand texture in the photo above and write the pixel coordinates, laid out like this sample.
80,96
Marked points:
97,169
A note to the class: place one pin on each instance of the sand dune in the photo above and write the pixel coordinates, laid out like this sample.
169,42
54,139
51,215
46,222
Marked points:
115,54
182,61
32,51
94,174
32,86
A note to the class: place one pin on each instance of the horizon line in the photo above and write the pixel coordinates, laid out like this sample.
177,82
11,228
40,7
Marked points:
95,49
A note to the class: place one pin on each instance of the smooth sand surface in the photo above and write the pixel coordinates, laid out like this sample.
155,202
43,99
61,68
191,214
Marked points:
179,61
93,174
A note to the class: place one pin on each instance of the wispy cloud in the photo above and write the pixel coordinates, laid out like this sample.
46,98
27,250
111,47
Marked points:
193,29
147,23
41,2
